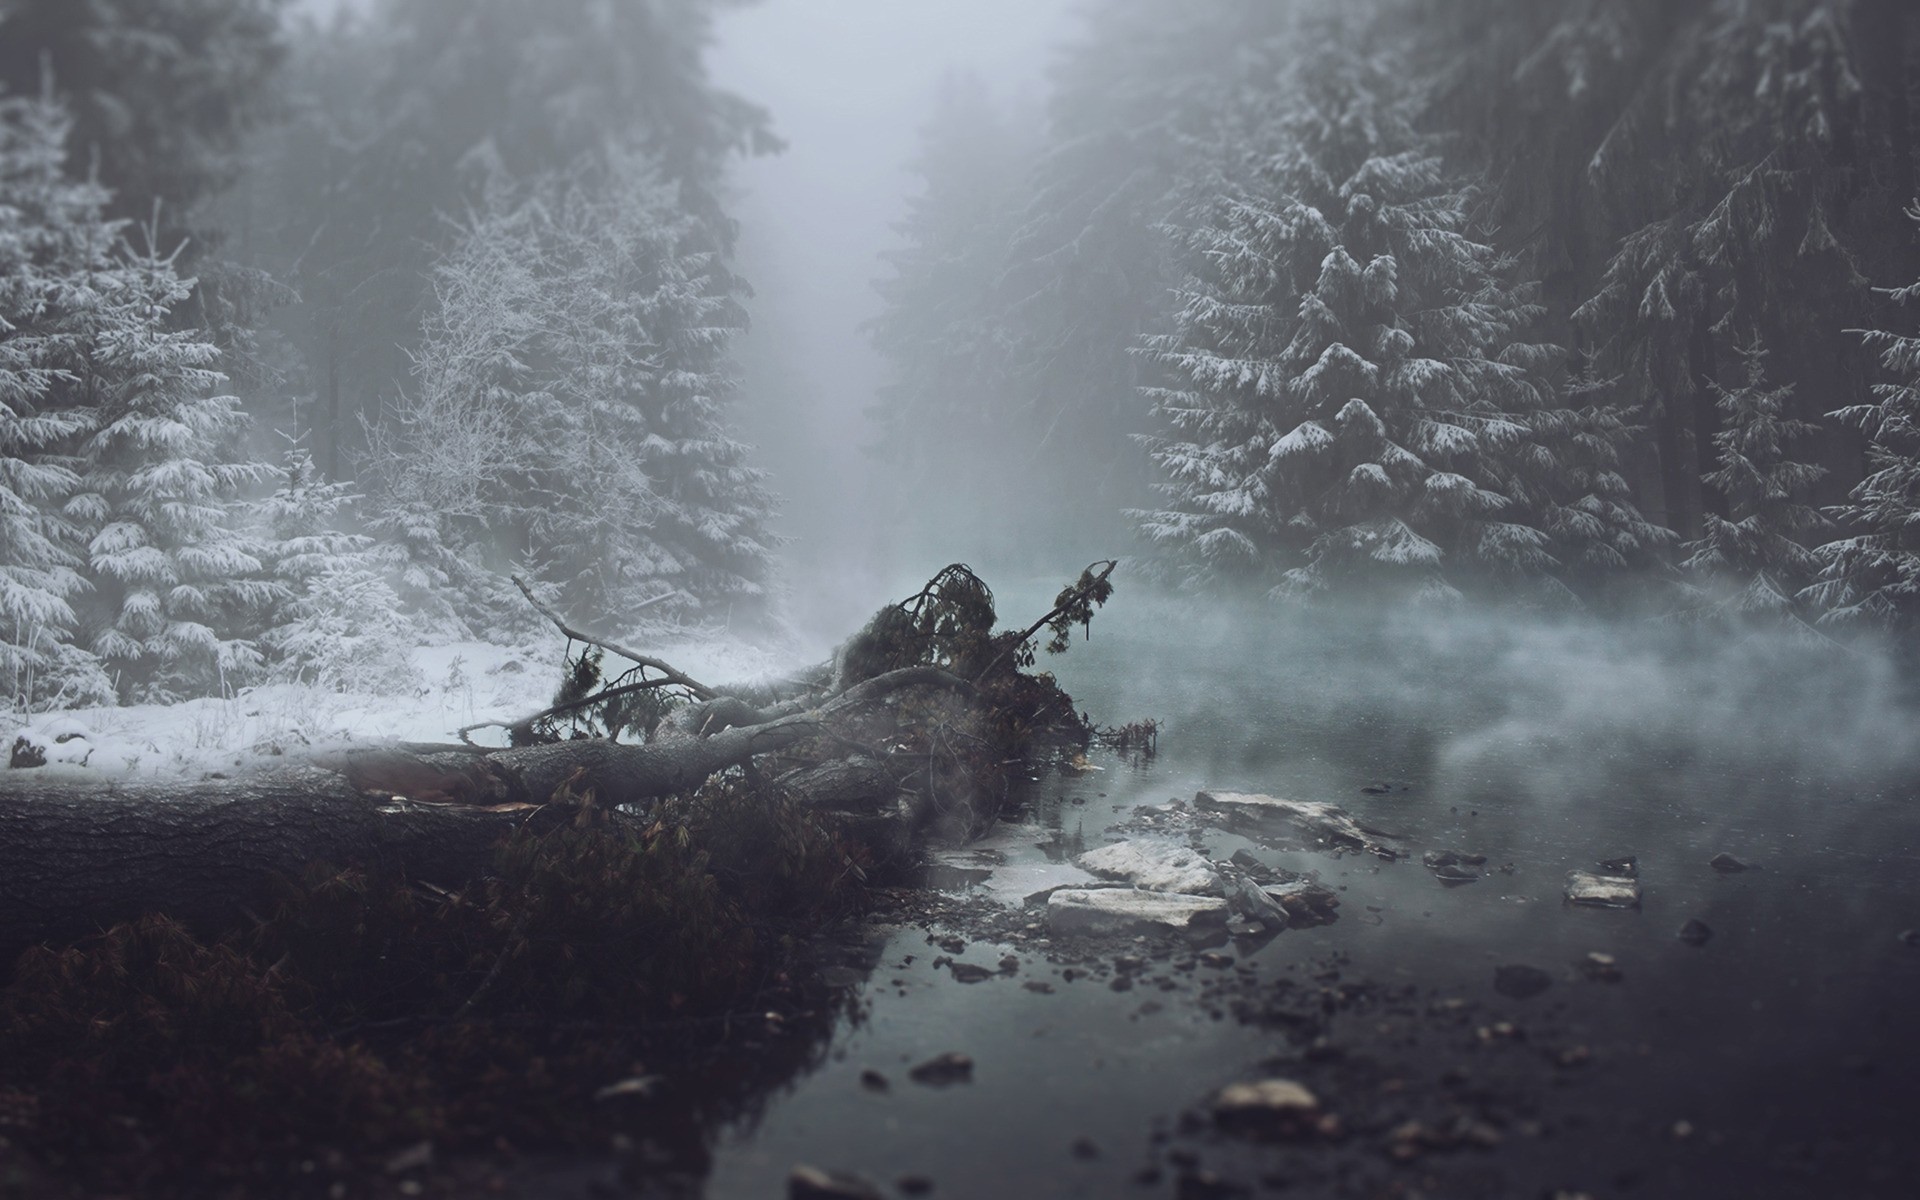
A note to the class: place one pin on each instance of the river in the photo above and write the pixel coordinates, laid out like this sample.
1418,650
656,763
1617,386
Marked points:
1776,1059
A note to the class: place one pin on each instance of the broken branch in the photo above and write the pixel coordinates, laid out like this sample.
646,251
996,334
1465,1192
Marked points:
700,690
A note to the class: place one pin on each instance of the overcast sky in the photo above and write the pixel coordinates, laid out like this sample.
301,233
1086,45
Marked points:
849,83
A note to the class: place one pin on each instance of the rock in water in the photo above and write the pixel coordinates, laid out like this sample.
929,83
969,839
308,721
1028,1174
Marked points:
1129,910
1254,813
812,1183
1694,933
1268,1108
1306,902
1603,891
1154,865
1519,982
951,1067
1601,968
1727,863
1453,867
1258,871
1250,901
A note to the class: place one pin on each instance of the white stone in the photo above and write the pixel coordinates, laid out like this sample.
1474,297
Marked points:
1602,891
1327,823
1154,865
1267,1096
1126,910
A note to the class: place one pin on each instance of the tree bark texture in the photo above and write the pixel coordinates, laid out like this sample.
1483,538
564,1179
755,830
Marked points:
78,854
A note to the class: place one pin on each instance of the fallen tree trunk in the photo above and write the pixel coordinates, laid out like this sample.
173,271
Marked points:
76,855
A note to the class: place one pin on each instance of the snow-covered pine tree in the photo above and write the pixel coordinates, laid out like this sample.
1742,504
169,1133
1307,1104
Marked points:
50,228
1873,575
569,411
175,588
1351,400
1755,552
341,624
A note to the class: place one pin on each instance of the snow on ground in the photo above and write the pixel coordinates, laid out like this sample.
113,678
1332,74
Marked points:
458,684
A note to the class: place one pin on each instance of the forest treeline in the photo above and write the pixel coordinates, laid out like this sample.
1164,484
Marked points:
310,333
1597,302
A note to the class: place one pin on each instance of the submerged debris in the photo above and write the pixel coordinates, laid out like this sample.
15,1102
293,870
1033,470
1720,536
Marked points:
1601,968
1520,982
1604,890
806,1182
1415,1138
1268,1108
951,1067
1453,867
1695,932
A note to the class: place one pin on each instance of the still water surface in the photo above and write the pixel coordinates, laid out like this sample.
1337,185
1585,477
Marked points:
1545,748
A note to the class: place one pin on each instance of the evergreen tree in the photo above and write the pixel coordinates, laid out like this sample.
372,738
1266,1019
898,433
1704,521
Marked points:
408,112
1756,548
175,588
1136,130
1351,398
50,231
1873,576
570,407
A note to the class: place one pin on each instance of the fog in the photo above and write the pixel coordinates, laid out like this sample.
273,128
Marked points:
1497,417
851,84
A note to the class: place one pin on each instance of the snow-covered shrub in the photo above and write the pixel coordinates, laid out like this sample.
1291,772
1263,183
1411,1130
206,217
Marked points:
341,624
346,631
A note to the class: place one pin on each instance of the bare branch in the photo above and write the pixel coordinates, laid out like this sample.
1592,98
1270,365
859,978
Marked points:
612,693
699,689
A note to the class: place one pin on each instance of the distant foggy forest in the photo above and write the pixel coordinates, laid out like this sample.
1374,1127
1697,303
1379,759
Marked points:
314,331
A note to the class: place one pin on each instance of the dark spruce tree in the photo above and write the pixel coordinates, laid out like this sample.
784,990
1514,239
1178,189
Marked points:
162,93
1351,400
1754,562
1872,576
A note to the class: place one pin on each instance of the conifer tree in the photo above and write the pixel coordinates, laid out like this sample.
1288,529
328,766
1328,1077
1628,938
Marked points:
50,229
569,409
1757,548
175,588
1351,398
1873,575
